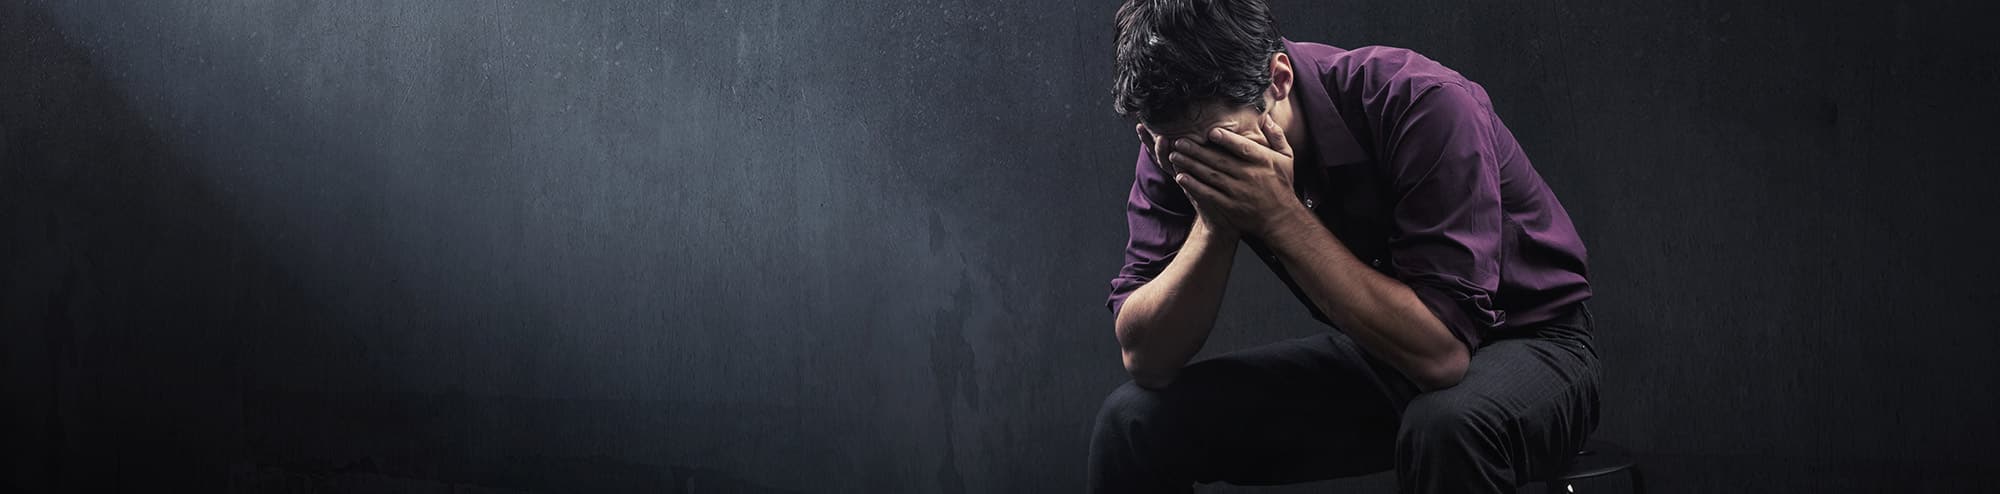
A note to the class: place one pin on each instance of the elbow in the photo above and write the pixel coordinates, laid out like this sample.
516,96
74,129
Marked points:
1442,371
1149,368
1145,371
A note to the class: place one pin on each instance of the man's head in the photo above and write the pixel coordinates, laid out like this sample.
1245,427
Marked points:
1185,66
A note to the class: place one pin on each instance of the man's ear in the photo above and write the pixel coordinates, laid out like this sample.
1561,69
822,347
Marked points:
1281,77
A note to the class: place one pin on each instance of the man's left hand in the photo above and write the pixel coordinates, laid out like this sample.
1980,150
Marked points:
1248,183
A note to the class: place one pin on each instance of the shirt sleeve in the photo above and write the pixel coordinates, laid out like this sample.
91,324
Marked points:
1448,214
1157,216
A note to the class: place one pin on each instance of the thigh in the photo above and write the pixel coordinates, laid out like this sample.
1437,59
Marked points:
1297,410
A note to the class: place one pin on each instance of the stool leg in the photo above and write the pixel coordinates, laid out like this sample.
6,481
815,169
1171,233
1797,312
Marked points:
1638,481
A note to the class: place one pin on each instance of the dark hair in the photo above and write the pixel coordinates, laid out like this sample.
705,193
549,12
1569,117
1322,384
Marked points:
1175,55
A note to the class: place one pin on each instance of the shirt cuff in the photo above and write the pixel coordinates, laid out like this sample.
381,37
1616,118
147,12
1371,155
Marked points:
1454,311
1121,289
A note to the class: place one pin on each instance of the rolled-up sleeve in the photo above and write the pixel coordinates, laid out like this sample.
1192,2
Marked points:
1448,215
1157,216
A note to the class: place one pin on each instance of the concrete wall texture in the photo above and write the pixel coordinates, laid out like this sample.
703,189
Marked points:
759,246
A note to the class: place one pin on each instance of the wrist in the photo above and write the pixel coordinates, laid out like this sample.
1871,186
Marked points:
1212,232
1288,223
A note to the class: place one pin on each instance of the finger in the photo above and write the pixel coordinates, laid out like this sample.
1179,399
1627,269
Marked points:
1163,150
1205,156
1146,141
1200,192
1188,164
1235,143
1276,136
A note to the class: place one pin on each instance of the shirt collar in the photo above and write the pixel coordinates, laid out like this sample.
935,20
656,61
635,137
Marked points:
1332,142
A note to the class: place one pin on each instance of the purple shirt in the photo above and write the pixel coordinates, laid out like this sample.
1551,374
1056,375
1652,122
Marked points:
1410,168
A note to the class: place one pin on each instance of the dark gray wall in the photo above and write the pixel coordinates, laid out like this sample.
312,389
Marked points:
816,246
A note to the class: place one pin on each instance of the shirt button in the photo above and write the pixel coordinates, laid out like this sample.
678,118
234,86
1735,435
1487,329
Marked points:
1377,262
1310,203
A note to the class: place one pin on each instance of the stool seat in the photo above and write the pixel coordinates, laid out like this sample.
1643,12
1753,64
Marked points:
1597,459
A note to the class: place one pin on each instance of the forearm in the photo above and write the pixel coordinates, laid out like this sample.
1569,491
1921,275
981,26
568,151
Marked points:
1165,322
1379,312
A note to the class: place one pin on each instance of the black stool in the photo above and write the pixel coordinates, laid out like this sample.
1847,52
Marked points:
1597,459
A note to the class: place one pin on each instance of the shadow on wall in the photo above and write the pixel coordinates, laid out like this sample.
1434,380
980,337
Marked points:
137,306
132,292
121,350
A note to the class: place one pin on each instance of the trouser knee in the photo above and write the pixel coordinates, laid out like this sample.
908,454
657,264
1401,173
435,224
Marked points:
1123,409
1434,426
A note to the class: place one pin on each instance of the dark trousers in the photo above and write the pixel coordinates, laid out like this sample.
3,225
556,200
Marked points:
1320,407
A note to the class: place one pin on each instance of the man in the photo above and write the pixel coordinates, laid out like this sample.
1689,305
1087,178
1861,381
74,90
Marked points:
1382,188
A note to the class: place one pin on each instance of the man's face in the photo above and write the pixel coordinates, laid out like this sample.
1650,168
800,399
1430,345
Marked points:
1242,120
